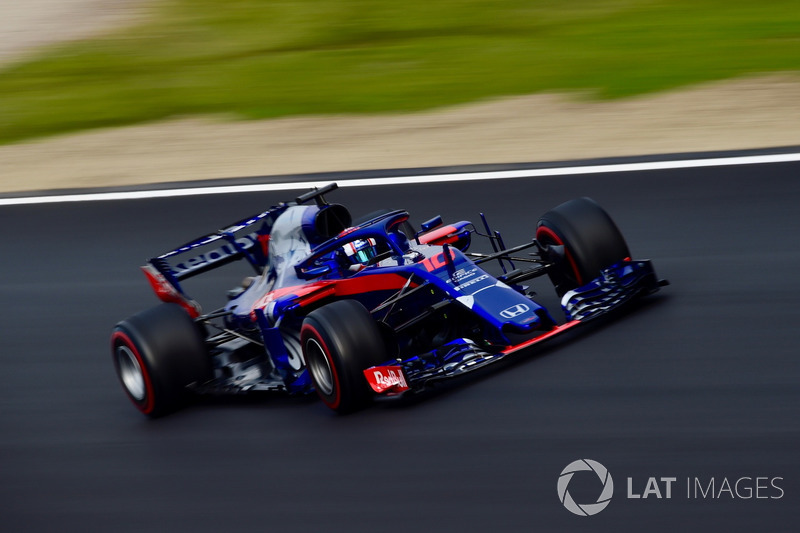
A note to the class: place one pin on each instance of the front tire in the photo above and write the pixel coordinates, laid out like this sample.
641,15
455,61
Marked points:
157,354
592,242
341,340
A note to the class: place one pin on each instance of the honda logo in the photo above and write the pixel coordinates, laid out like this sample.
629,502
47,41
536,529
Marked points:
514,311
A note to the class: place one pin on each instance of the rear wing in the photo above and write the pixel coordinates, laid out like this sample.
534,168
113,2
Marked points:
246,239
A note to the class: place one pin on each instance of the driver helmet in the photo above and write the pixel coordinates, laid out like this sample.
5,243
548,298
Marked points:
361,251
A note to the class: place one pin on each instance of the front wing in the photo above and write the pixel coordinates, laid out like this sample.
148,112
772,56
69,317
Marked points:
616,286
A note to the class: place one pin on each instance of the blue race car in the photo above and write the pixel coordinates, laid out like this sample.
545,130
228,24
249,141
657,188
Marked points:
365,309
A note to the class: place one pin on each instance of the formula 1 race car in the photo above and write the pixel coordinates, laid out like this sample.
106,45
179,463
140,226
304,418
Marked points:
371,308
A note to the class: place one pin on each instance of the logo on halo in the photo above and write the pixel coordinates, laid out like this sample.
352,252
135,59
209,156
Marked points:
585,509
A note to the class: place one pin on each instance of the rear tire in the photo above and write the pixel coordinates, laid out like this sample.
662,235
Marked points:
158,353
591,240
341,340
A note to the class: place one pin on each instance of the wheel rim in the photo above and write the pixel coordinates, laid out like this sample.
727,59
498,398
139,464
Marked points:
319,366
547,236
130,372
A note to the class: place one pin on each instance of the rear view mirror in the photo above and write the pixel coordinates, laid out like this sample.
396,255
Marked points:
435,222
428,225
314,272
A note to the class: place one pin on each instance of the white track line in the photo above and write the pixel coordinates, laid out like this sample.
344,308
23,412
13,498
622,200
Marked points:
407,180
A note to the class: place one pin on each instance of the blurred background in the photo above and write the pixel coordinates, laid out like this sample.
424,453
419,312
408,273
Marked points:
701,381
361,84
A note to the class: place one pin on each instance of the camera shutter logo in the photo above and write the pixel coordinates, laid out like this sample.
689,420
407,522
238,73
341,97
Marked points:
585,509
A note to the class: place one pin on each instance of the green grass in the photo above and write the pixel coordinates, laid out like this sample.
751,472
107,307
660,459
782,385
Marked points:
259,59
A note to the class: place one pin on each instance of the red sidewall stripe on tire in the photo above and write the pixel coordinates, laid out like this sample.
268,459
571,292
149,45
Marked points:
337,384
149,399
552,235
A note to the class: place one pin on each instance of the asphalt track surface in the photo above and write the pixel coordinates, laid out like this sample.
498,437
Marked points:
699,382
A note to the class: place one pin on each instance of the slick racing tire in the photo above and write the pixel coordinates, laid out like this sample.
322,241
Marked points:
591,240
341,340
157,354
